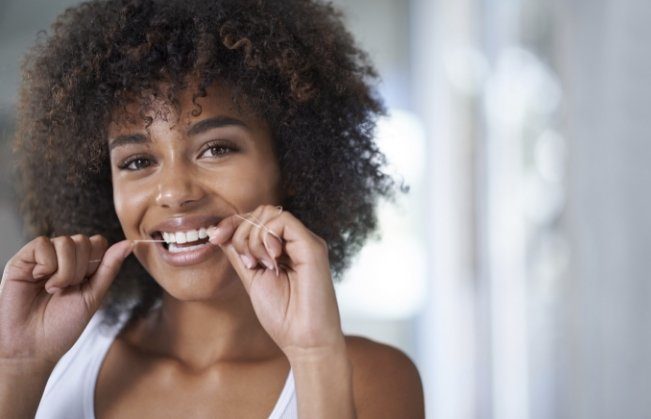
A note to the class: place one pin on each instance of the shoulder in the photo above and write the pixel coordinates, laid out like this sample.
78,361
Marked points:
386,383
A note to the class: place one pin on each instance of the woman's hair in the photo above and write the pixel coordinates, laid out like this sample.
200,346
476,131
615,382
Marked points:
291,61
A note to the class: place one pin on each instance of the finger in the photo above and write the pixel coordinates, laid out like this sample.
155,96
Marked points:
34,261
272,243
240,239
223,232
245,274
257,239
254,241
82,254
45,257
98,246
66,254
299,243
99,283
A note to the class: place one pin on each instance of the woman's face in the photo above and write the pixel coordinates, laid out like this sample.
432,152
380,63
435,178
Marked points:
184,173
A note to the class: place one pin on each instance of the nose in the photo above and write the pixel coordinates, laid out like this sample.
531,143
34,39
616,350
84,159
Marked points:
177,188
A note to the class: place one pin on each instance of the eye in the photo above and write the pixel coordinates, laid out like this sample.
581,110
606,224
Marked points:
135,163
217,149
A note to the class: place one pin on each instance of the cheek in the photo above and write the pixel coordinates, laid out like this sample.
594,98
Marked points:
251,186
129,205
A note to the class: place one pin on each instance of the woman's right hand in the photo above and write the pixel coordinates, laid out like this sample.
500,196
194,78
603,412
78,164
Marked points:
49,291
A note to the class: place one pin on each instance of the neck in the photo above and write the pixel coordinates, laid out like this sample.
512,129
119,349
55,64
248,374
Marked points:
200,334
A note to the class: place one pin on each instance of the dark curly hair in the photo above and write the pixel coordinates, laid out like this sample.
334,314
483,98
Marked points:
291,61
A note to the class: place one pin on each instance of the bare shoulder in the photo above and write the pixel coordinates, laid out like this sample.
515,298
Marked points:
386,383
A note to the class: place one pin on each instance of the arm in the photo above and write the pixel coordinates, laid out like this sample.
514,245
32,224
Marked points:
48,293
296,304
324,383
285,269
21,387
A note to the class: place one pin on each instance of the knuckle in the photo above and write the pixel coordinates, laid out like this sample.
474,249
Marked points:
99,241
81,242
65,242
39,246
270,209
41,241
80,239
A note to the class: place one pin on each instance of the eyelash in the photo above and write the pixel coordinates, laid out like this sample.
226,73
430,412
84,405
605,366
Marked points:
229,148
125,164
225,149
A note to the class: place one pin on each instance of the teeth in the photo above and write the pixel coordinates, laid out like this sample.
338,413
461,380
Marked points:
173,248
180,237
192,236
189,236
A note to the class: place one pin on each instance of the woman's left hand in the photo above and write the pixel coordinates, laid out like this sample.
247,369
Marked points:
285,269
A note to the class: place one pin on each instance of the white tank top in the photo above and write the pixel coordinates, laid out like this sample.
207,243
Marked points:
69,392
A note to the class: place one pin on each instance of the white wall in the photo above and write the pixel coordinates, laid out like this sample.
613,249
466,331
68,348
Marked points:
605,356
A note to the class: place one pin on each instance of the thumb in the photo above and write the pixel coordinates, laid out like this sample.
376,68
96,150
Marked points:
108,269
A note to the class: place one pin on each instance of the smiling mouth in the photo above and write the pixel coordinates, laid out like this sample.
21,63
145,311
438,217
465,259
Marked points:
183,241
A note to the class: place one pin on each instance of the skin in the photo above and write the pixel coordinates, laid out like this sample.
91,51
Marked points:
229,327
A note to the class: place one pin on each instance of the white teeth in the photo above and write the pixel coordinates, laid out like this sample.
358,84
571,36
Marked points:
173,248
185,236
192,236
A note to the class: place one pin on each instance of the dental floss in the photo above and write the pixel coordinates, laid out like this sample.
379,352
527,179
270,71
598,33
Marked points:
135,241
262,226
264,238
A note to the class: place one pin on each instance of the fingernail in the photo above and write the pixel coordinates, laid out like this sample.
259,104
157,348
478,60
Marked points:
52,290
273,251
39,275
213,234
268,264
264,242
248,261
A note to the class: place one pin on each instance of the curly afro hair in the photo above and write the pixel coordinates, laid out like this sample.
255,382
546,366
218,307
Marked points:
291,61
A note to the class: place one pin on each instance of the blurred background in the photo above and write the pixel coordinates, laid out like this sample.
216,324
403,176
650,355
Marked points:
514,272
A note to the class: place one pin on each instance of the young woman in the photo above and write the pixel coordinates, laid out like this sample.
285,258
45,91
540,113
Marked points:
227,145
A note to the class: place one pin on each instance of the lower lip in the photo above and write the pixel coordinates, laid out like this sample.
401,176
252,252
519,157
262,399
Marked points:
190,257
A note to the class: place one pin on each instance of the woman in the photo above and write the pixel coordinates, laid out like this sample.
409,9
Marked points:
228,146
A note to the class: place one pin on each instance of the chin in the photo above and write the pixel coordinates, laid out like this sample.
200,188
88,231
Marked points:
199,286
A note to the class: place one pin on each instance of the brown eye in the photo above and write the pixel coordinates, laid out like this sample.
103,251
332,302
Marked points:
217,150
136,163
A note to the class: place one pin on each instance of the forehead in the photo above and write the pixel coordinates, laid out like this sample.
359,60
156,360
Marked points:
180,109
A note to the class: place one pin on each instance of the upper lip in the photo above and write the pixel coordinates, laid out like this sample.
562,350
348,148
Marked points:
184,223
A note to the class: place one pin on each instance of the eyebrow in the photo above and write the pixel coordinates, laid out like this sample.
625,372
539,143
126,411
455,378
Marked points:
216,122
198,128
122,140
